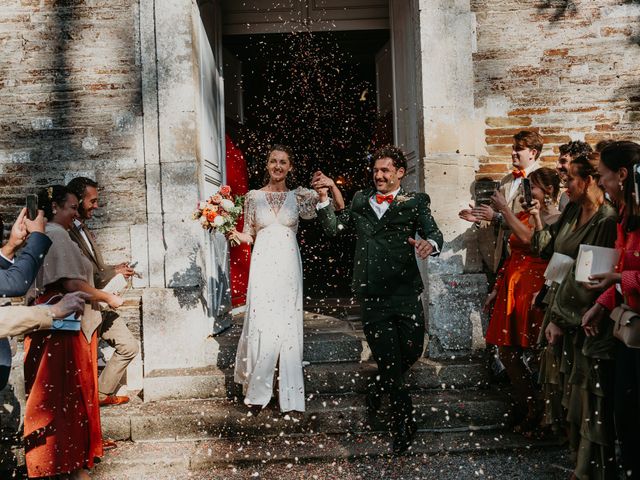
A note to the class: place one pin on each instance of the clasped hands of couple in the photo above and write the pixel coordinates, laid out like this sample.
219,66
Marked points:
599,282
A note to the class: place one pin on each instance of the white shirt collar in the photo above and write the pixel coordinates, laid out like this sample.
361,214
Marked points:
394,193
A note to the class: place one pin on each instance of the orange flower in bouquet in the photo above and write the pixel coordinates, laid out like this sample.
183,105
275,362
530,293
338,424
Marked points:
220,212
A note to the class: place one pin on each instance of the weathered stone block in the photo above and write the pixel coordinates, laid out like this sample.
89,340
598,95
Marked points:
175,328
455,318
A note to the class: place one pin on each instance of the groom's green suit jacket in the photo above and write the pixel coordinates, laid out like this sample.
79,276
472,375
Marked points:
384,262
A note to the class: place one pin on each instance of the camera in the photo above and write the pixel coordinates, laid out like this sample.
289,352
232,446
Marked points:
483,190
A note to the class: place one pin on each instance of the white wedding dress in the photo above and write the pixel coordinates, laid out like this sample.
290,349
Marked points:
272,328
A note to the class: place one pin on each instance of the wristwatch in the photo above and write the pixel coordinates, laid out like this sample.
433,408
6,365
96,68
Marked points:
57,324
498,218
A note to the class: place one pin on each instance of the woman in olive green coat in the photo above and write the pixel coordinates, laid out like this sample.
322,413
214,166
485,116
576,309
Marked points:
575,369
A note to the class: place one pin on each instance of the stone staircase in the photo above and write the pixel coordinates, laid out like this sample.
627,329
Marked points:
455,410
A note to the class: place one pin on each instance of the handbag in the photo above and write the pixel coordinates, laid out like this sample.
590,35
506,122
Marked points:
626,326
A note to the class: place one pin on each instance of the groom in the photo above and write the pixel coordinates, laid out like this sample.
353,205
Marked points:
386,279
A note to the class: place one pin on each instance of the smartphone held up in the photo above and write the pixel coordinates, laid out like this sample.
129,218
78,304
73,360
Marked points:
32,206
526,187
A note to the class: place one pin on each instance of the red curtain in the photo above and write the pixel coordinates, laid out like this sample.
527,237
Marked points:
238,180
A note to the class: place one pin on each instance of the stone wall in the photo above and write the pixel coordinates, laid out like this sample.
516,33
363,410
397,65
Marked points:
70,103
568,68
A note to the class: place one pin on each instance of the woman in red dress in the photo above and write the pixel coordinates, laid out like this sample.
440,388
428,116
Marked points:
515,325
62,417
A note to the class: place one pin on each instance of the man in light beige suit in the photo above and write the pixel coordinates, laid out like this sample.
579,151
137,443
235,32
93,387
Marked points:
526,149
113,329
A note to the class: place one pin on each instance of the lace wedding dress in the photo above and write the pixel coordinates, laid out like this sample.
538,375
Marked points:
272,328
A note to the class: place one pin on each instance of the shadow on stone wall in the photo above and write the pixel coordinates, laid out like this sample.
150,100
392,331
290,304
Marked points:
192,296
566,8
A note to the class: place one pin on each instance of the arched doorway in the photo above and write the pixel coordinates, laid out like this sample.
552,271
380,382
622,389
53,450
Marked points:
262,44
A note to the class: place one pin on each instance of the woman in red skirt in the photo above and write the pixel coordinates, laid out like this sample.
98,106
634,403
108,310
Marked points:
515,325
62,417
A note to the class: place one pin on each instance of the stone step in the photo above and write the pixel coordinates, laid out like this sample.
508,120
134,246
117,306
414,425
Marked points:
152,460
354,377
318,348
203,419
320,378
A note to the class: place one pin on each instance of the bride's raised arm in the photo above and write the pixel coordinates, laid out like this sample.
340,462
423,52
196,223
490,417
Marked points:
321,181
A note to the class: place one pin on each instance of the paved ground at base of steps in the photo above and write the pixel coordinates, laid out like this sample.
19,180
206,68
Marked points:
548,464
450,455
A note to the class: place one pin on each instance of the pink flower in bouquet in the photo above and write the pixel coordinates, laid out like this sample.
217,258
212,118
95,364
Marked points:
225,191
216,199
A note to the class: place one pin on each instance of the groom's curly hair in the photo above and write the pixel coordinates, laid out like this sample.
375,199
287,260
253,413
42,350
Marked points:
392,152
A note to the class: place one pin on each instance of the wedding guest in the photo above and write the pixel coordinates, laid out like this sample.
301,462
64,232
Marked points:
526,149
514,325
600,146
569,151
272,333
575,368
386,280
62,418
623,286
19,320
113,328
17,273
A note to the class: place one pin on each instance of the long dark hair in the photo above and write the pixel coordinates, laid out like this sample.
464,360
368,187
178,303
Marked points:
53,194
624,154
290,180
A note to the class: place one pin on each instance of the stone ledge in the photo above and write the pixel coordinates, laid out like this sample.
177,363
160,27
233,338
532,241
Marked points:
168,384
202,419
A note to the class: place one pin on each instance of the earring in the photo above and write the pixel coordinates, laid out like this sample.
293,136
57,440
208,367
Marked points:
621,186
547,200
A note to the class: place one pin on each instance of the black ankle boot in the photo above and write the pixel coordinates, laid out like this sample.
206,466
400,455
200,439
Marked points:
373,401
403,435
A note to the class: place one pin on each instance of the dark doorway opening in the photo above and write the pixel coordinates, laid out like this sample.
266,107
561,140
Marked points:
316,92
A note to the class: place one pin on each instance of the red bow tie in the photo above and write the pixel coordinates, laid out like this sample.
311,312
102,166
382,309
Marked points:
383,198
518,173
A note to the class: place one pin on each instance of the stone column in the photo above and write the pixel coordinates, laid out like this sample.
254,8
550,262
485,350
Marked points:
452,137
176,327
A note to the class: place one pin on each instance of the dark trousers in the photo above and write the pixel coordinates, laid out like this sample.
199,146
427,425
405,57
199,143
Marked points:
627,408
394,328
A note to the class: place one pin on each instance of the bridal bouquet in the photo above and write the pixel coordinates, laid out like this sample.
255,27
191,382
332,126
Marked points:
220,212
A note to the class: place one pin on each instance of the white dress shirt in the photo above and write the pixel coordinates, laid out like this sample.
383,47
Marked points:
78,224
517,181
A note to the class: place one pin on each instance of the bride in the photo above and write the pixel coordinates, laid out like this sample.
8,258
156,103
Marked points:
272,329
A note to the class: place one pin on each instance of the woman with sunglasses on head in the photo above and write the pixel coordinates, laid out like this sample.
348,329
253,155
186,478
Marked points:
574,369
617,163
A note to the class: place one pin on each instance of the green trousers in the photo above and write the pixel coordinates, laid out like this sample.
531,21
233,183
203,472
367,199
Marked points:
394,328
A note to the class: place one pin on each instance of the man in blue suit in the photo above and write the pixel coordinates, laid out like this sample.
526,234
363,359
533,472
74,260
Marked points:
17,273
